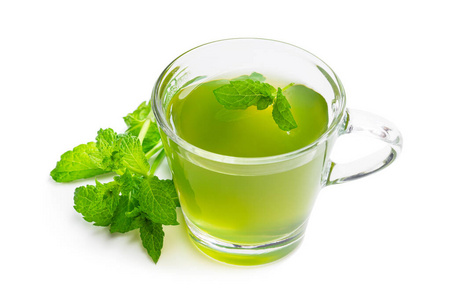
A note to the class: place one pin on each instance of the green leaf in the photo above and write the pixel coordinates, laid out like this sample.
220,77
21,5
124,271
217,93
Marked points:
282,113
152,236
247,90
81,162
108,146
106,141
254,76
139,115
264,103
128,182
157,201
132,155
244,93
123,221
97,203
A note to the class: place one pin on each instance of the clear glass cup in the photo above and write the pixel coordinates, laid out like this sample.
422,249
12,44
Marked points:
250,211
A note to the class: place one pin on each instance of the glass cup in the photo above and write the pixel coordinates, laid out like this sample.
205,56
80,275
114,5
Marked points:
250,211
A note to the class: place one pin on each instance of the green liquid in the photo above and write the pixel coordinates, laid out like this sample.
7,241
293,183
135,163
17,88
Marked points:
199,119
240,205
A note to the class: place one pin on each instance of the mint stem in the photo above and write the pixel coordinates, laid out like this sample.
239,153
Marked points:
158,160
288,86
144,130
154,150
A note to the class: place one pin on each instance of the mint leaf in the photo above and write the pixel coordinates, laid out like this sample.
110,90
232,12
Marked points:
123,221
81,162
254,76
156,200
132,154
108,146
106,141
247,90
264,103
97,203
241,94
128,182
282,112
139,115
152,236
91,159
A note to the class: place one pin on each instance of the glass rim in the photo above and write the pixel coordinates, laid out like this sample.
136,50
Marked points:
157,108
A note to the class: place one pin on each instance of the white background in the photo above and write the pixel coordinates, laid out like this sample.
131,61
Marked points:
68,68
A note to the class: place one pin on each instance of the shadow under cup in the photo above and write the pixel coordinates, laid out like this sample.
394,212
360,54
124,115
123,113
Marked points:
250,211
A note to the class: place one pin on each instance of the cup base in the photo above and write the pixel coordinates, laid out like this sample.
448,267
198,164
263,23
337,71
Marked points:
244,255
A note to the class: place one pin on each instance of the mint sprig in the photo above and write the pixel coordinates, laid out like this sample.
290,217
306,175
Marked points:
248,90
135,199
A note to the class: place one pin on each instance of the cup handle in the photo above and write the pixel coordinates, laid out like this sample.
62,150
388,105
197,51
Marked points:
361,122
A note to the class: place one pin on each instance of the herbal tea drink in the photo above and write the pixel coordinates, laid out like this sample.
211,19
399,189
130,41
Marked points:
249,155
243,208
246,208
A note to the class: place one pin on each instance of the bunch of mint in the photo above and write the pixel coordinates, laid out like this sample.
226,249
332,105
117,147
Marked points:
135,198
248,90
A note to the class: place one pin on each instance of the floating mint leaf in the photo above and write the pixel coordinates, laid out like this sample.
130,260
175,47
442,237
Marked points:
282,113
254,76
247,90
244,93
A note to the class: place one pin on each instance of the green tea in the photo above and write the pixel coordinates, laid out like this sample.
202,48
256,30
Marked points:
245,205
199,119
